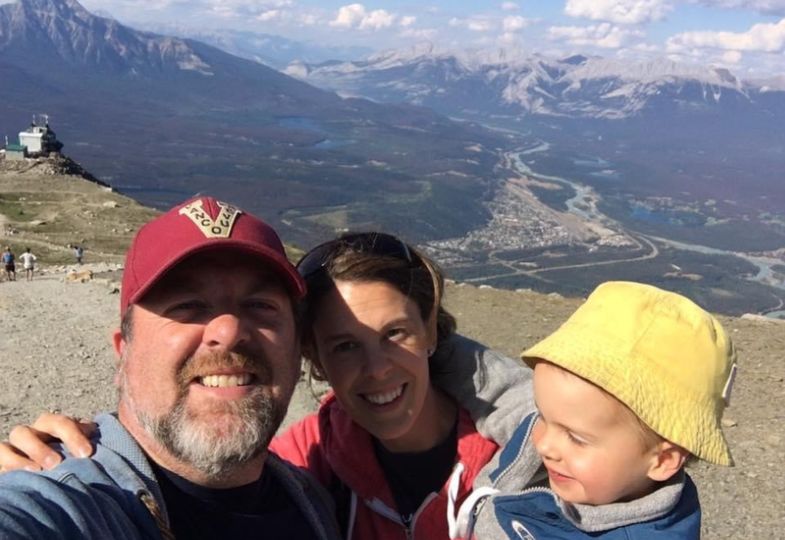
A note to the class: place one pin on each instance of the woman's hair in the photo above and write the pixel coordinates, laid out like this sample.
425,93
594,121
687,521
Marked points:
372,257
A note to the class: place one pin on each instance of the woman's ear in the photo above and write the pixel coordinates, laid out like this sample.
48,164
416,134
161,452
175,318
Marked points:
667,460
432,331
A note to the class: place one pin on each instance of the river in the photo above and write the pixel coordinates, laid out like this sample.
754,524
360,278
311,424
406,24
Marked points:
583,204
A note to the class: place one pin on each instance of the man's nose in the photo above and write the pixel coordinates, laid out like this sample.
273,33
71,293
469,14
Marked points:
225,331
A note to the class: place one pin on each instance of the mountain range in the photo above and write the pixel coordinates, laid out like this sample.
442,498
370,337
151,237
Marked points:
685,162
515,170
666,132
510,82
271,50
162,118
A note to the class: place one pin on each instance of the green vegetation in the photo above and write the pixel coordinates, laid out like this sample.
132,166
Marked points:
715,281
48,212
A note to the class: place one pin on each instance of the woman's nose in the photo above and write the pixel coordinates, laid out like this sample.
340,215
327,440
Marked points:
377,362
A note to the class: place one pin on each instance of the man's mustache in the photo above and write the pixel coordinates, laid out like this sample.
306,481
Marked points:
212,362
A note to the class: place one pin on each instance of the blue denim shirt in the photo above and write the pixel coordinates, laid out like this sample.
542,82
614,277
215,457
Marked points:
114,494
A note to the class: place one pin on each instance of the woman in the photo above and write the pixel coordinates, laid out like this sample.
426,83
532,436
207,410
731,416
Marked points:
386,439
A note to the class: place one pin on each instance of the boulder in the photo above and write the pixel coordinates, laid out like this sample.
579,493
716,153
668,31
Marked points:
81,276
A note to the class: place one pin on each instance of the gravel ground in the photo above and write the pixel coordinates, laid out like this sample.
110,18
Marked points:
55,355
55,351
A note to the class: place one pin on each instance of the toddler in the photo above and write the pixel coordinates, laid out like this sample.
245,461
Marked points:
628,388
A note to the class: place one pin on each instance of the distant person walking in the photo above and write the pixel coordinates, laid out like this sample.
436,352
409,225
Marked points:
78,253
8,264
28,262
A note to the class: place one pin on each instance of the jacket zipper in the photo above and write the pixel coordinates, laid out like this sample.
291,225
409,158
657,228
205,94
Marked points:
520,451
408,524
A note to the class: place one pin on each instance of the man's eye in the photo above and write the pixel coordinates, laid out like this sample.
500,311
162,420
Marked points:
186,310
188,305
261,305
345,346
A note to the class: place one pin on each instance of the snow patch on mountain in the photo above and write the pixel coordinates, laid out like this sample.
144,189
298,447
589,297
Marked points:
512,80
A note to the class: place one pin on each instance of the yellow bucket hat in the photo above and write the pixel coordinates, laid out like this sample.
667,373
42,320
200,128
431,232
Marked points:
657,352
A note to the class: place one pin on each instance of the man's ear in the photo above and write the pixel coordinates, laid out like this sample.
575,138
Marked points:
667,460
119,344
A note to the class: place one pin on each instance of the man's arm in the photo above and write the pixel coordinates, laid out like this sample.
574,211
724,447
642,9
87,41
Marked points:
35,505
495,389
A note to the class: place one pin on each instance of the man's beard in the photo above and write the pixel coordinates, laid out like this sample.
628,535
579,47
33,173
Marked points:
229,434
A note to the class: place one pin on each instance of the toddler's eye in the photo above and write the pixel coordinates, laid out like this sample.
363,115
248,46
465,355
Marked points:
575,439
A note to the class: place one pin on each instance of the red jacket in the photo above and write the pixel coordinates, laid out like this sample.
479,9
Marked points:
329,444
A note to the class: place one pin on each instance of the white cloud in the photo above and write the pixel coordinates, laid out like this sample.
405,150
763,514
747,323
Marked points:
510,6
646,48
236,9
426,34
509,39
199,12
407,20
269,15
475,24
770,7
349,16
224,11
619,11
763,37
513,23
604,35
377,19
731,57
308,19
356,16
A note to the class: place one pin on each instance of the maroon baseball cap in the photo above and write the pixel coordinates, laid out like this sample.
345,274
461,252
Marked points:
195,226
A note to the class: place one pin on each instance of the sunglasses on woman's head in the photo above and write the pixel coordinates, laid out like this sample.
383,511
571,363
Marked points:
385,245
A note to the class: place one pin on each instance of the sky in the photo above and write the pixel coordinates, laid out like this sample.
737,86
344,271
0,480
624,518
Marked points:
746,36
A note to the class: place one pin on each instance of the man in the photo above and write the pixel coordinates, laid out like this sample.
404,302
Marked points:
28,263
208,357
8,264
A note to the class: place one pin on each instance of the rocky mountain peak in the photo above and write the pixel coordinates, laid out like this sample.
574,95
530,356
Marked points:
510,81
63,8
30,29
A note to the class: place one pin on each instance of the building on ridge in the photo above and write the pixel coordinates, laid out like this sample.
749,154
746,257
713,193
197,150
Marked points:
39,138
